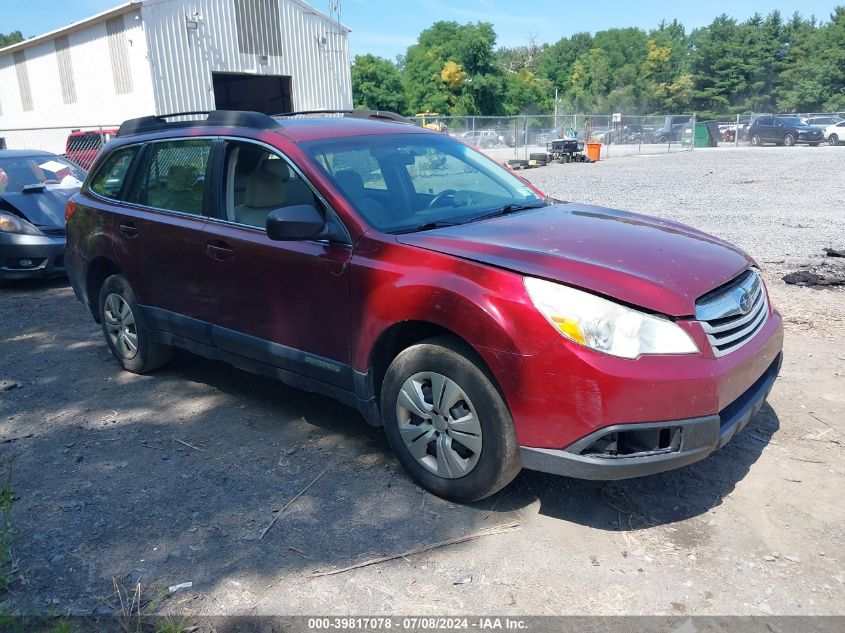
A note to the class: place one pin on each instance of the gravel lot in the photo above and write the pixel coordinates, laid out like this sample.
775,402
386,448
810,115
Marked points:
175,477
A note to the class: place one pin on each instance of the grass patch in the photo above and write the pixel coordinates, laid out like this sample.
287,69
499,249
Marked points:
7,498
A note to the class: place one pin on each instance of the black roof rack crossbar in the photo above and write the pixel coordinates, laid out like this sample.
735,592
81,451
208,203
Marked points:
382,115
220,118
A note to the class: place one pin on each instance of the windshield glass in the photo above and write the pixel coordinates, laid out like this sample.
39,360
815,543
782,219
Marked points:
16,172
402,182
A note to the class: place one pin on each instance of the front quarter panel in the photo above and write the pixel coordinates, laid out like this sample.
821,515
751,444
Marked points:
487,307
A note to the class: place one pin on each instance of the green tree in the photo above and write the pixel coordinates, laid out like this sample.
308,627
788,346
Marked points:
377,84
445,52
717,66
813,78
7,39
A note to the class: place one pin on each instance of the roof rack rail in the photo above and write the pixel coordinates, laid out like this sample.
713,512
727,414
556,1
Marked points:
382,115
219,118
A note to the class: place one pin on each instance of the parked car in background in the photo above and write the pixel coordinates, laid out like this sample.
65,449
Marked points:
82,147
629,134
34,189
672,130
823,121
783,130
485,326
547,136
482,138
835,133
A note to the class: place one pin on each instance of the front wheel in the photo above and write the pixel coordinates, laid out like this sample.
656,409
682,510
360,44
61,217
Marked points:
125,330
833,139
447,423
756,141
789,140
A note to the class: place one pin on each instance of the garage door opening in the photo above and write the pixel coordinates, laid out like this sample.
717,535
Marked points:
270,94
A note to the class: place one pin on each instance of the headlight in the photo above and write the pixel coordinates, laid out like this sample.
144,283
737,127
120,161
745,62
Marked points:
606,326
13,224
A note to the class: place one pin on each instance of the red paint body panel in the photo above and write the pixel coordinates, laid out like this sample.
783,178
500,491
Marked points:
647,262
292,293
567,391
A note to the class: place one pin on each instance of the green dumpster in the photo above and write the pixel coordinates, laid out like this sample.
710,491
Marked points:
702,136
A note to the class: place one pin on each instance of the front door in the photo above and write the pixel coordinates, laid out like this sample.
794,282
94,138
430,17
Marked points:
282,303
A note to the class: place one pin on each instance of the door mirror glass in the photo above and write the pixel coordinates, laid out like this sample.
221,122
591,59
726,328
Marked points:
298,222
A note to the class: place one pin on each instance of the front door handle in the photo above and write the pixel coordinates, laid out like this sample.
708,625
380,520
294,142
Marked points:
218,250
128,230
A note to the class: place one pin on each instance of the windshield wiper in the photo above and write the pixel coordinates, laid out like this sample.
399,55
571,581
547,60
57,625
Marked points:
428,226
510,208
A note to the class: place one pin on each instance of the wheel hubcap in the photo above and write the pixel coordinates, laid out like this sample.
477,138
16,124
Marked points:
120,326
439,425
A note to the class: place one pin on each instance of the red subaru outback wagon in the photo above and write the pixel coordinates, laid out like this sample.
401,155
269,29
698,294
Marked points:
487,327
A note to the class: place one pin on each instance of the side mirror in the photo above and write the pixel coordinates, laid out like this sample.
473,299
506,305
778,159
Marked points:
299,222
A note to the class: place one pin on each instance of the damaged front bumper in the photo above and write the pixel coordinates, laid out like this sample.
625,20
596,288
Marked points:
623,451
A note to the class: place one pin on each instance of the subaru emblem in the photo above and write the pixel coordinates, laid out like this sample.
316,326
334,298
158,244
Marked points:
745,302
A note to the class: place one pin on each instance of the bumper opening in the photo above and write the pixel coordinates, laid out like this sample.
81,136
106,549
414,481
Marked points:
636,443
24,263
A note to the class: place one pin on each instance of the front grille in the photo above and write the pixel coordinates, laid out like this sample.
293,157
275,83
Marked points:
727,322
52,232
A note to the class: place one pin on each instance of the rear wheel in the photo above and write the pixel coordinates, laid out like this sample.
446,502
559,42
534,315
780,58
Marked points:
833,139
756,141
447,423
125,330
789,140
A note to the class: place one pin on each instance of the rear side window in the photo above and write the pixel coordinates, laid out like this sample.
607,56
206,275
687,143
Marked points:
108,181
172,176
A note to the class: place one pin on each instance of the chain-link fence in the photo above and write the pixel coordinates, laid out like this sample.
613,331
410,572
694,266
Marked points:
79,144
521,136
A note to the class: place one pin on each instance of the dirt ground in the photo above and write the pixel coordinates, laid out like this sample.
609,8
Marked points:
175,477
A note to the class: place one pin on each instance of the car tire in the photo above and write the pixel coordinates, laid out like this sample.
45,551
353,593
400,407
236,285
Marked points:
125,331
788,140
469,448
755,140
538,156
833,139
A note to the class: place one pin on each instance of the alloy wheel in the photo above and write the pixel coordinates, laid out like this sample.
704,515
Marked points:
833,139
120,326
789,140
439,425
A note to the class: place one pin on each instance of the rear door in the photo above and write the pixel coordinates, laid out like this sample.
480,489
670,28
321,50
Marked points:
159,232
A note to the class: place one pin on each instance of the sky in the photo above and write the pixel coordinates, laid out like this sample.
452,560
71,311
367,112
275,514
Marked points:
387,27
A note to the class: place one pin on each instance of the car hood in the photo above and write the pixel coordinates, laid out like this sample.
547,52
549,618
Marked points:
43,208
655,264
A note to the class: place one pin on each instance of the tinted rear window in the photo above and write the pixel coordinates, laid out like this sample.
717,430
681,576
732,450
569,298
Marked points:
108,181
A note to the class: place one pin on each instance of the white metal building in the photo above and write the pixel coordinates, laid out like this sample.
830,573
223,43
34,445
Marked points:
165,56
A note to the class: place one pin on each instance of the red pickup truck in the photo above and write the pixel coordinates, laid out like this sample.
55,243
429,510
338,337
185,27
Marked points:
83,146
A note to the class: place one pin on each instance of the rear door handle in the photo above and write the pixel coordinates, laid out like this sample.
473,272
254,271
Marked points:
218,250
128,230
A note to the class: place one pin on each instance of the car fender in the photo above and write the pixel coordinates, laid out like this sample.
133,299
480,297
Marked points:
487,307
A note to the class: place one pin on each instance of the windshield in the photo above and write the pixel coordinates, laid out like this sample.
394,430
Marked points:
16,172
402,182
